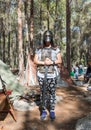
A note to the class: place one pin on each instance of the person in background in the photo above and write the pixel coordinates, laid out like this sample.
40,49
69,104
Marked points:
72,72
81,70
88,73
49,55
76,72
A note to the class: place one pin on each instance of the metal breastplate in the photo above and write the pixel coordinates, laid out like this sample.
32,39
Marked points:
46,53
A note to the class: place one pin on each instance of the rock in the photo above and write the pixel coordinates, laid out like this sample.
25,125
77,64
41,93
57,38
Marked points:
84,123
10,81
61,83
25,105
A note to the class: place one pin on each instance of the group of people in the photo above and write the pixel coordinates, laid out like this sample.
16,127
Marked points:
76,71
79,70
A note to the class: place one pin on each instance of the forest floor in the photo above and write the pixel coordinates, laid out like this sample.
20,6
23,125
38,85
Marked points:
72,107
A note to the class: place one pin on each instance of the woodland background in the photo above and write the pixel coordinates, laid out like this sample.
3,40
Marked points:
22,23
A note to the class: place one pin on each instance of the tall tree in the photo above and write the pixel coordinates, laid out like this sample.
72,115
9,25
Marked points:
48,1
4,45
31,24
30,66
20,41
68,37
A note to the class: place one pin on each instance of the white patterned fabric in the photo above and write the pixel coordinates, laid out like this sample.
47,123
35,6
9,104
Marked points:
50,97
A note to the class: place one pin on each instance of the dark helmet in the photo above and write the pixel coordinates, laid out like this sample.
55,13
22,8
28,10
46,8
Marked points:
47,37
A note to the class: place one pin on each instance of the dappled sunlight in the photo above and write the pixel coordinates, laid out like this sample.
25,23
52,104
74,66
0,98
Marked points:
72,107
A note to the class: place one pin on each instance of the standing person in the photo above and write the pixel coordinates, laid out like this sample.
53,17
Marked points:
72,72
81,69
48,56
87,76
76,71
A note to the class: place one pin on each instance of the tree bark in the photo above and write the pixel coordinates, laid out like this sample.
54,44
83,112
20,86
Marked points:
20,41
3,46
68,38
48,15
30,73
9,48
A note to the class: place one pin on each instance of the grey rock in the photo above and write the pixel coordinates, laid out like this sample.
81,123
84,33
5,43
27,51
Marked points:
84,123
11,80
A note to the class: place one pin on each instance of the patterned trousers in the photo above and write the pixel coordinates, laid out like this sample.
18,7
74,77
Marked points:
50,96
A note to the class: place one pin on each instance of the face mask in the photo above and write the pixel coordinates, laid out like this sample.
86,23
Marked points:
47,44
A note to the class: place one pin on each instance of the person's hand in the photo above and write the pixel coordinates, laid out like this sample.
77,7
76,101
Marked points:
48,61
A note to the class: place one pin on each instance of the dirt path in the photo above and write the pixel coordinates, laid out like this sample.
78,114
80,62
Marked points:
68,111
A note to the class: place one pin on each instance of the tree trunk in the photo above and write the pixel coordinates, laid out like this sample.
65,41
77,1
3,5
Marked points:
20,41
47,14
68,38
41,27
31,26
3,46
30,73
17,49
9,48
0,48
55,22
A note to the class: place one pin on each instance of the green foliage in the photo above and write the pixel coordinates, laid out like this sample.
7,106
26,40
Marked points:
80,17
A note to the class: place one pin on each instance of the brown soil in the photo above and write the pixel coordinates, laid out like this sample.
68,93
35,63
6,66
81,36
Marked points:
68,111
